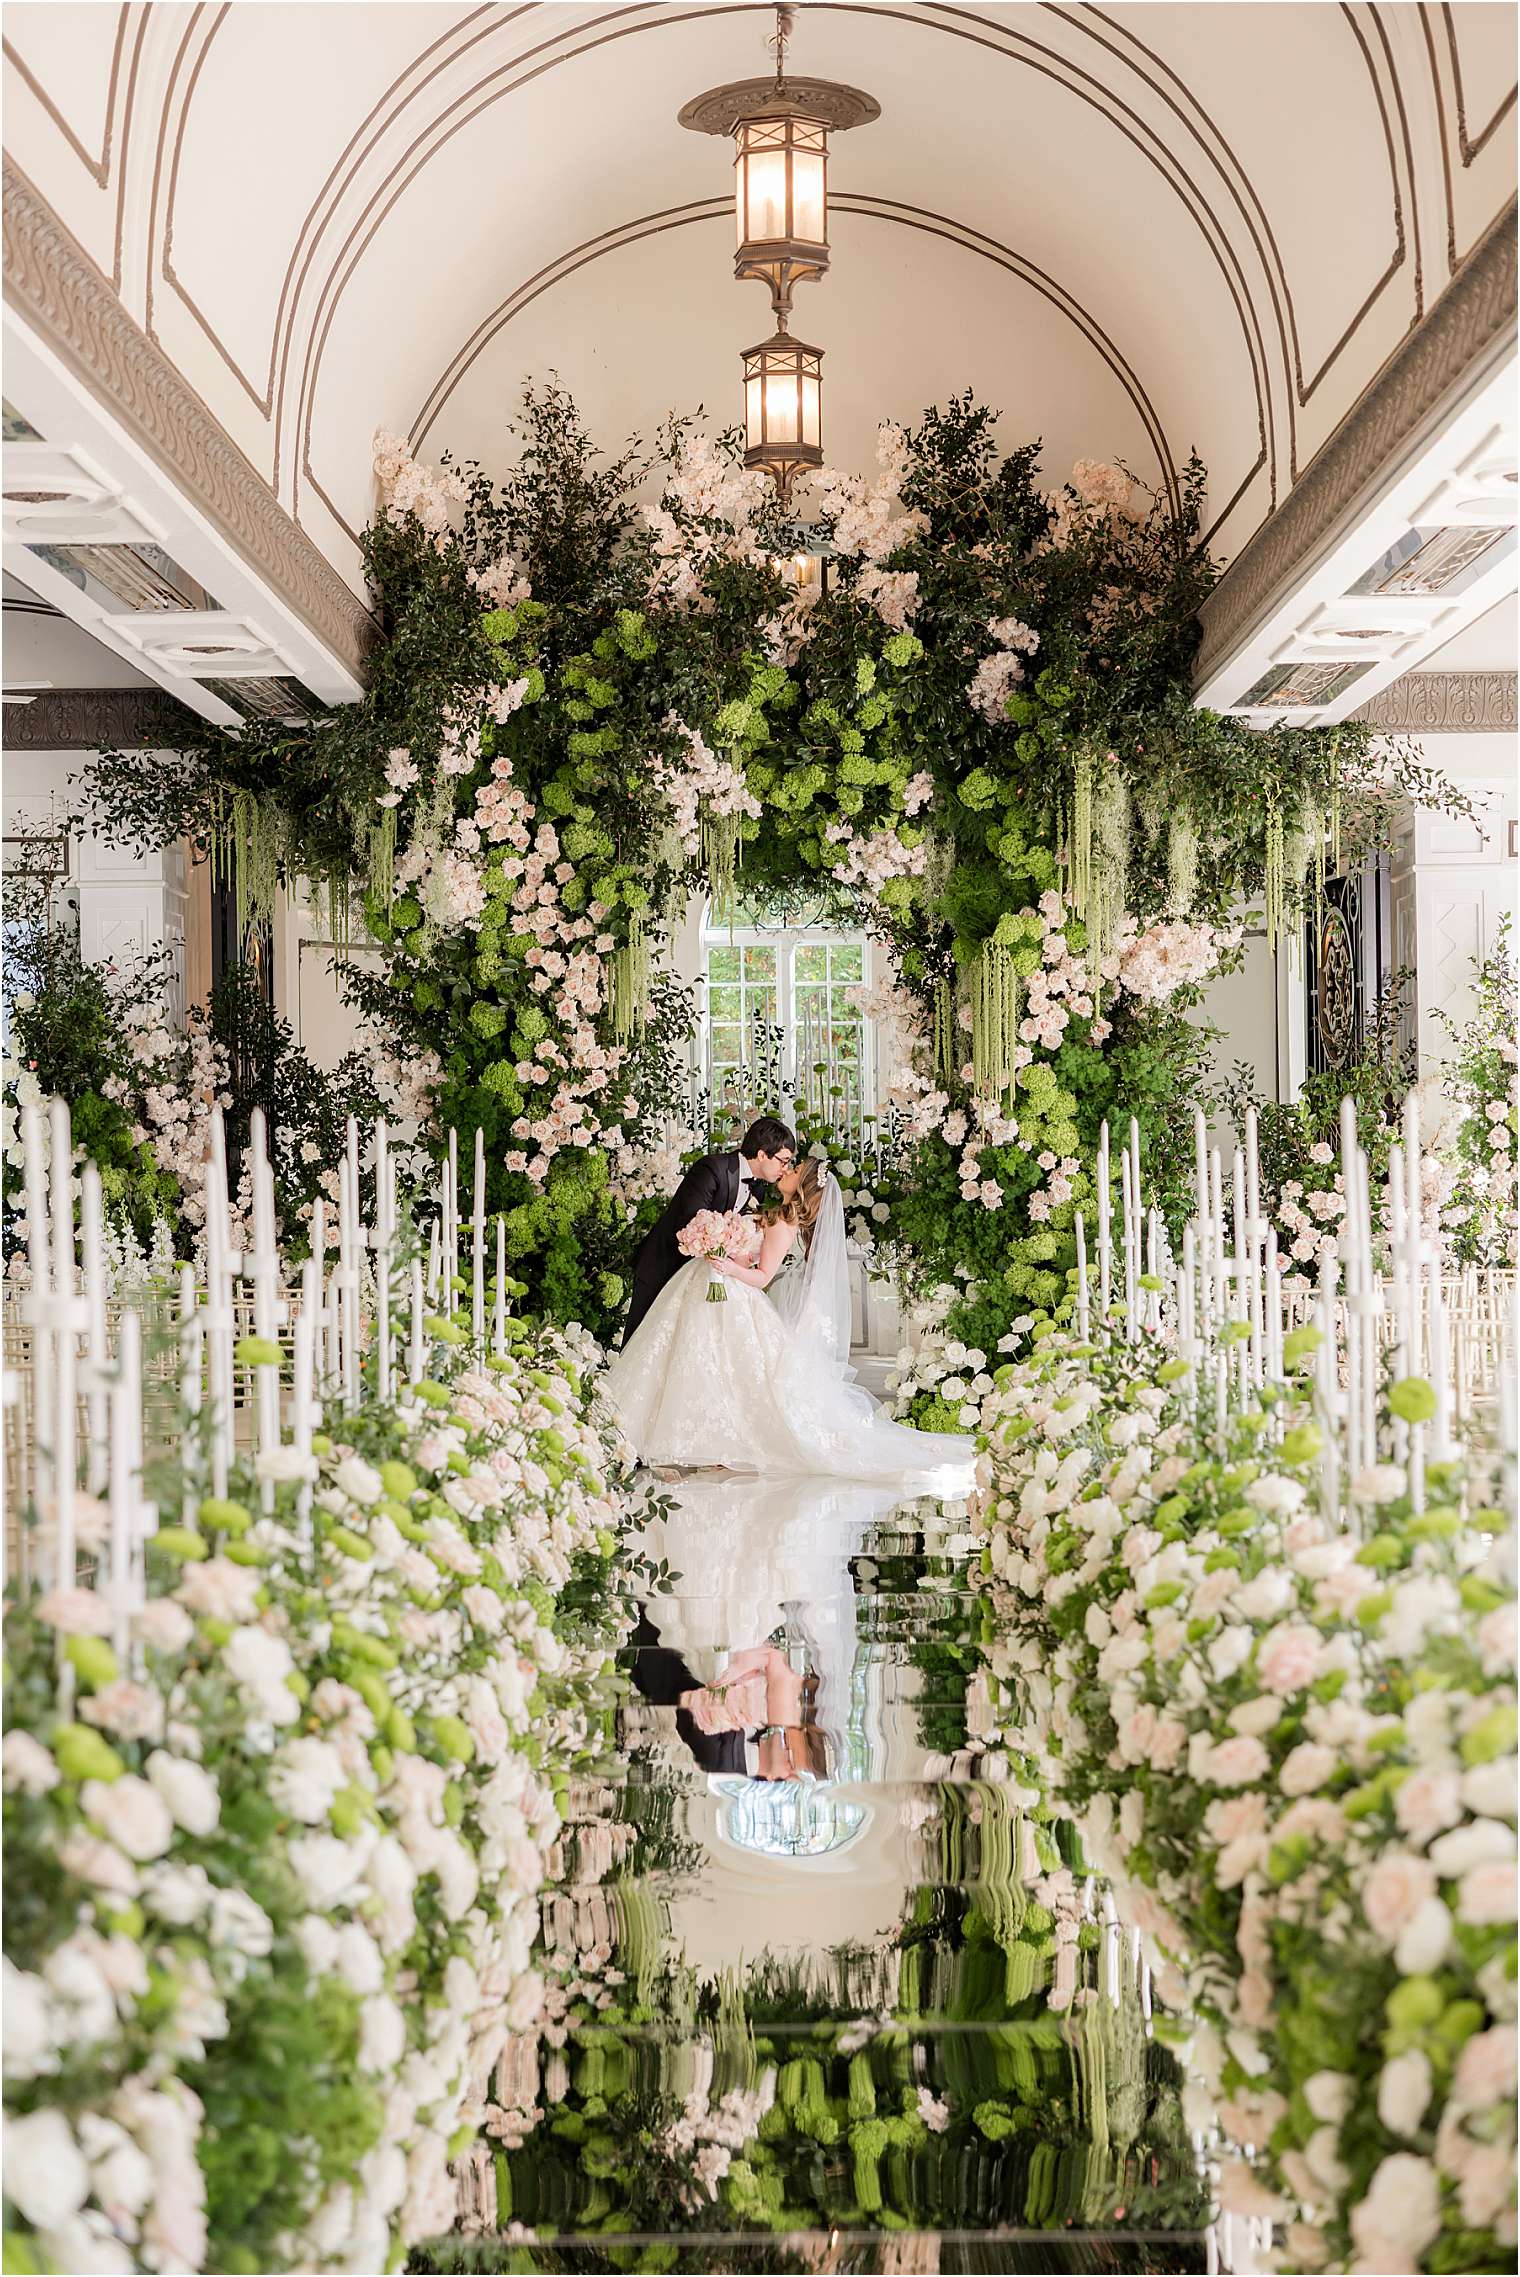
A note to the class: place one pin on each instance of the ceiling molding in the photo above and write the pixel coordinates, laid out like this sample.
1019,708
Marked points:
52,283
96,719
1466,334
1445,703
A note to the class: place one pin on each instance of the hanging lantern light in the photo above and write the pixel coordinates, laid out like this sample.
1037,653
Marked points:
781,164
783,408
781,132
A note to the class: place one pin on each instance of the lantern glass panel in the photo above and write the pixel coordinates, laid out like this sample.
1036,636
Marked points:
782,416
808,223
812,423
754,414
762,196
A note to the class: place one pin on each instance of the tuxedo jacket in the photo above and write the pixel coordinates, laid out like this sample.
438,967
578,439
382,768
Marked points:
711,1184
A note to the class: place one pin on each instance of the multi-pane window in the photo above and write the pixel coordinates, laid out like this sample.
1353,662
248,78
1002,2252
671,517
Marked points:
779,1015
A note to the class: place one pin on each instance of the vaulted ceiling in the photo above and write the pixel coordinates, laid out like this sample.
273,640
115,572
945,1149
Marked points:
1140,230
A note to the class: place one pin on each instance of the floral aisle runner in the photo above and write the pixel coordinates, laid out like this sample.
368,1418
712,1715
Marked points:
794,2022
272,1884
1292,1750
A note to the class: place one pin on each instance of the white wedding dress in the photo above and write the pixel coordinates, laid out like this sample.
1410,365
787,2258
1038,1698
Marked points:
763,1381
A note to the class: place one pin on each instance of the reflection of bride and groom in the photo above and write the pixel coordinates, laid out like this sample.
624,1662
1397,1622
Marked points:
762,1381
755,1651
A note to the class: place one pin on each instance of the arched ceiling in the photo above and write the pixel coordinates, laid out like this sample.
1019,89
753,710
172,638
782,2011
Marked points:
1140,230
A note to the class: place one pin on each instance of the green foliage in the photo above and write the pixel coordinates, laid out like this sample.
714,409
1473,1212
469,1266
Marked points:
567,648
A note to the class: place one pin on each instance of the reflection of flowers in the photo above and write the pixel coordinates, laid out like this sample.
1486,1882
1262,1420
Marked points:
735,1703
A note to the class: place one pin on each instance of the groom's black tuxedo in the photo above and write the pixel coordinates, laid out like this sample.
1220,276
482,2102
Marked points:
711,1184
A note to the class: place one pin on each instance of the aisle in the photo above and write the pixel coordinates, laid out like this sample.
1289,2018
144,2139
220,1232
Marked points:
808,1939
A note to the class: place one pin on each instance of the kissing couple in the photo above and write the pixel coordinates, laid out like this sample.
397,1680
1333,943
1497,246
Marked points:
736,1354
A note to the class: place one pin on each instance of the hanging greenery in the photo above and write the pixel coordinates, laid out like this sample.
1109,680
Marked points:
585,710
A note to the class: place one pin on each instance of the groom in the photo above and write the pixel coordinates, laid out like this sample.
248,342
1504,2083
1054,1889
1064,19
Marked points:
717,1182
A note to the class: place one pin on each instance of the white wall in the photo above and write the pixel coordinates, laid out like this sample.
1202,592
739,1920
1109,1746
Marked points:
128,904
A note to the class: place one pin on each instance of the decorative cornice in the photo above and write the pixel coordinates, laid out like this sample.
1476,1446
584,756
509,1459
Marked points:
1468,330
95,719
1446,703
52,282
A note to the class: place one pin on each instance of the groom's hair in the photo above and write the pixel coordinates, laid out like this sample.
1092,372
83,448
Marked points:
767,1136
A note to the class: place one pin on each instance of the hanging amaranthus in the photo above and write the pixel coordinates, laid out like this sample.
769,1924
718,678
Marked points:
1080,838
245,854
994,1018
380,859
1274,865
1109,878
1181,862
630,981
720,858
944,1029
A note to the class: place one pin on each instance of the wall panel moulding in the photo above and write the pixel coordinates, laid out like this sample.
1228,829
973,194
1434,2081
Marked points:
92,719
1446,703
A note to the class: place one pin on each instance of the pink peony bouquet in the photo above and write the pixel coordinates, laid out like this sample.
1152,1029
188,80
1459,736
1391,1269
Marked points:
710,1234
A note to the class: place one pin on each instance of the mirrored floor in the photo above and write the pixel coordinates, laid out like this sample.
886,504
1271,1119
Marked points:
828,1989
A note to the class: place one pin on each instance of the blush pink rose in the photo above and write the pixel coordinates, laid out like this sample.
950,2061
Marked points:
1237,1762
1306,1768
1394,1891
1289,1657
1427,1803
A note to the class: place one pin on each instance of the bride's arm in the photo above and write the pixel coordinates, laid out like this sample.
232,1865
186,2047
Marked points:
778,1240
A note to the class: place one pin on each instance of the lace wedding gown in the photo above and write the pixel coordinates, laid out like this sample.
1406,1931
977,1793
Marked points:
763,1386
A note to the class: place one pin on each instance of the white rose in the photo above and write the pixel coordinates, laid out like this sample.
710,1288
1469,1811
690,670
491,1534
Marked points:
317,1942
382,2034
358,1959
285,1466
1479,1843
162,1625
240,1924
1328,2095
122,2175
1229,1651
359,1480
79,1992
28,1767
129,1813
1404,2091
1279,1497
1265,1597
46,2178
177,1894
1423,1941
1427,1802
328,1870
305,1778
1393,1892
189,1792
28,2043
1403,2202
1379,1483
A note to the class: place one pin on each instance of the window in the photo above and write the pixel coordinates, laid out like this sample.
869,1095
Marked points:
780,1019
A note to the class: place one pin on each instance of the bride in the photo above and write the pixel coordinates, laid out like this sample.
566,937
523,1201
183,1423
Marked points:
762,1382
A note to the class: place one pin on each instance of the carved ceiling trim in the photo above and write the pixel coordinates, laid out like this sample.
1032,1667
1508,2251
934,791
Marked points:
1446,703
1465,334
54,285
95,719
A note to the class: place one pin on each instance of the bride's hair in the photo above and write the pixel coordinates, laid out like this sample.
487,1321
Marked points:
801,1208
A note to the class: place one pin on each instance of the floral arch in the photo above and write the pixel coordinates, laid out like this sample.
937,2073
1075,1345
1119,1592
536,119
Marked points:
601,694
